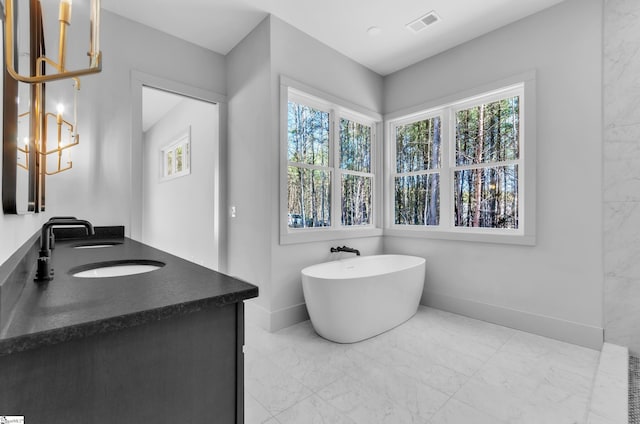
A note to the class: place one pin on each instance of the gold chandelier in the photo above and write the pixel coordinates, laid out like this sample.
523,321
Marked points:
64,18
43,70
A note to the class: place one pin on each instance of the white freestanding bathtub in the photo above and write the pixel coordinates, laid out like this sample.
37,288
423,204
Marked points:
353,299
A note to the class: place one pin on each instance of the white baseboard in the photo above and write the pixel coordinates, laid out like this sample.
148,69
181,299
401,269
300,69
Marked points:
567,331
256,314
288,316
276,320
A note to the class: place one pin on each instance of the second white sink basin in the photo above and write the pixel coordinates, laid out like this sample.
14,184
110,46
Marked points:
116,268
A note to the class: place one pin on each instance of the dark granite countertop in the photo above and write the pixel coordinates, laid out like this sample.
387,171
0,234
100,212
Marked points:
69,307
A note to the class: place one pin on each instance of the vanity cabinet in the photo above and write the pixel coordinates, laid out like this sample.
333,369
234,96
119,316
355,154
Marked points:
183,369
164,346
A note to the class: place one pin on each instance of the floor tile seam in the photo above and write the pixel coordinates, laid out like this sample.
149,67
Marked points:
468,379
324,386
369,391
295,404
303,384
449,397
527,375
419,380
448,350
398,404
287,374
552,346
523,397
538,358
470,340
263,406
438,363
499,420
329,401
471,335
386,367
524,400
530,394
602,419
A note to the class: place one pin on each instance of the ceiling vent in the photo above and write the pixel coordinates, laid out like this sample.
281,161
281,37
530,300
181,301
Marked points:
424,21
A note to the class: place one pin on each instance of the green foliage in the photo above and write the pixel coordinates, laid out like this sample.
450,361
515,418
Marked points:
309,196
355,146
356,200
418,145
310,173
308,135
493,139
417,199
487,196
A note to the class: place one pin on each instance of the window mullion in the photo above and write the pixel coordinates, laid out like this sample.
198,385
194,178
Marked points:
336,175
447,143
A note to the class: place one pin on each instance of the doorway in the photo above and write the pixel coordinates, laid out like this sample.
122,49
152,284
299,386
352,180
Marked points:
179,175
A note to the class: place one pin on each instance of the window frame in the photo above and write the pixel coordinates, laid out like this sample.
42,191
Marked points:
183,139
337,108
523,85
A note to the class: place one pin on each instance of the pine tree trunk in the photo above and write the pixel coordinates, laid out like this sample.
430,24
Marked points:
478,172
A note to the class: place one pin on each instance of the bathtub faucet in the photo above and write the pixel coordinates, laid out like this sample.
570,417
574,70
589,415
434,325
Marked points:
345,249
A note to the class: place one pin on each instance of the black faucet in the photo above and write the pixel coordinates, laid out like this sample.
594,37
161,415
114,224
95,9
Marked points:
345,249
52,238
44,272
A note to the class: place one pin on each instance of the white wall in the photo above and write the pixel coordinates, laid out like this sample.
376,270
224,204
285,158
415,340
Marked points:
557,283
555,287
305,59
178,214
275,48
100,185
249,129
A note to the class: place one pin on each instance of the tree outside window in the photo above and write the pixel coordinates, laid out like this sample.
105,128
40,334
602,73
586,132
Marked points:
330,179
460,166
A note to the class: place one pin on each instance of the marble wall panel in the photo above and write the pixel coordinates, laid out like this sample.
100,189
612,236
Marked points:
621,164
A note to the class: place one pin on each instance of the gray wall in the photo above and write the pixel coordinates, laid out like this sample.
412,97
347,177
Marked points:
249,134
178,215
555,287
557,283
100,187
621,200
254,67
298,56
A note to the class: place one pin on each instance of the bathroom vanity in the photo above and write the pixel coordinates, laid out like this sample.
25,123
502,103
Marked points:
157,347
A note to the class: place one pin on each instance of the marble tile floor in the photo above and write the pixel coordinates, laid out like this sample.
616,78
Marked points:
437,368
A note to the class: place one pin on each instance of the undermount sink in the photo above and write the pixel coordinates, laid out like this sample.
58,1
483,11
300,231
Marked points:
116,268
97,245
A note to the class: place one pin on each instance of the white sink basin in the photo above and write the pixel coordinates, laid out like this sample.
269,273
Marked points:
116,269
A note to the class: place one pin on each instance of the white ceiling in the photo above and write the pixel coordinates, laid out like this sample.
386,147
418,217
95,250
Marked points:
219,25
156,104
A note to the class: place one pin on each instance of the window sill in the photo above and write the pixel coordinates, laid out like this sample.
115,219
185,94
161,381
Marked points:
466,235
321,234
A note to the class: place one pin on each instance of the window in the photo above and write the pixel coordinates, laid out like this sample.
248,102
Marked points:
487,140
176,157
418,167
309,173
330,166
459,169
